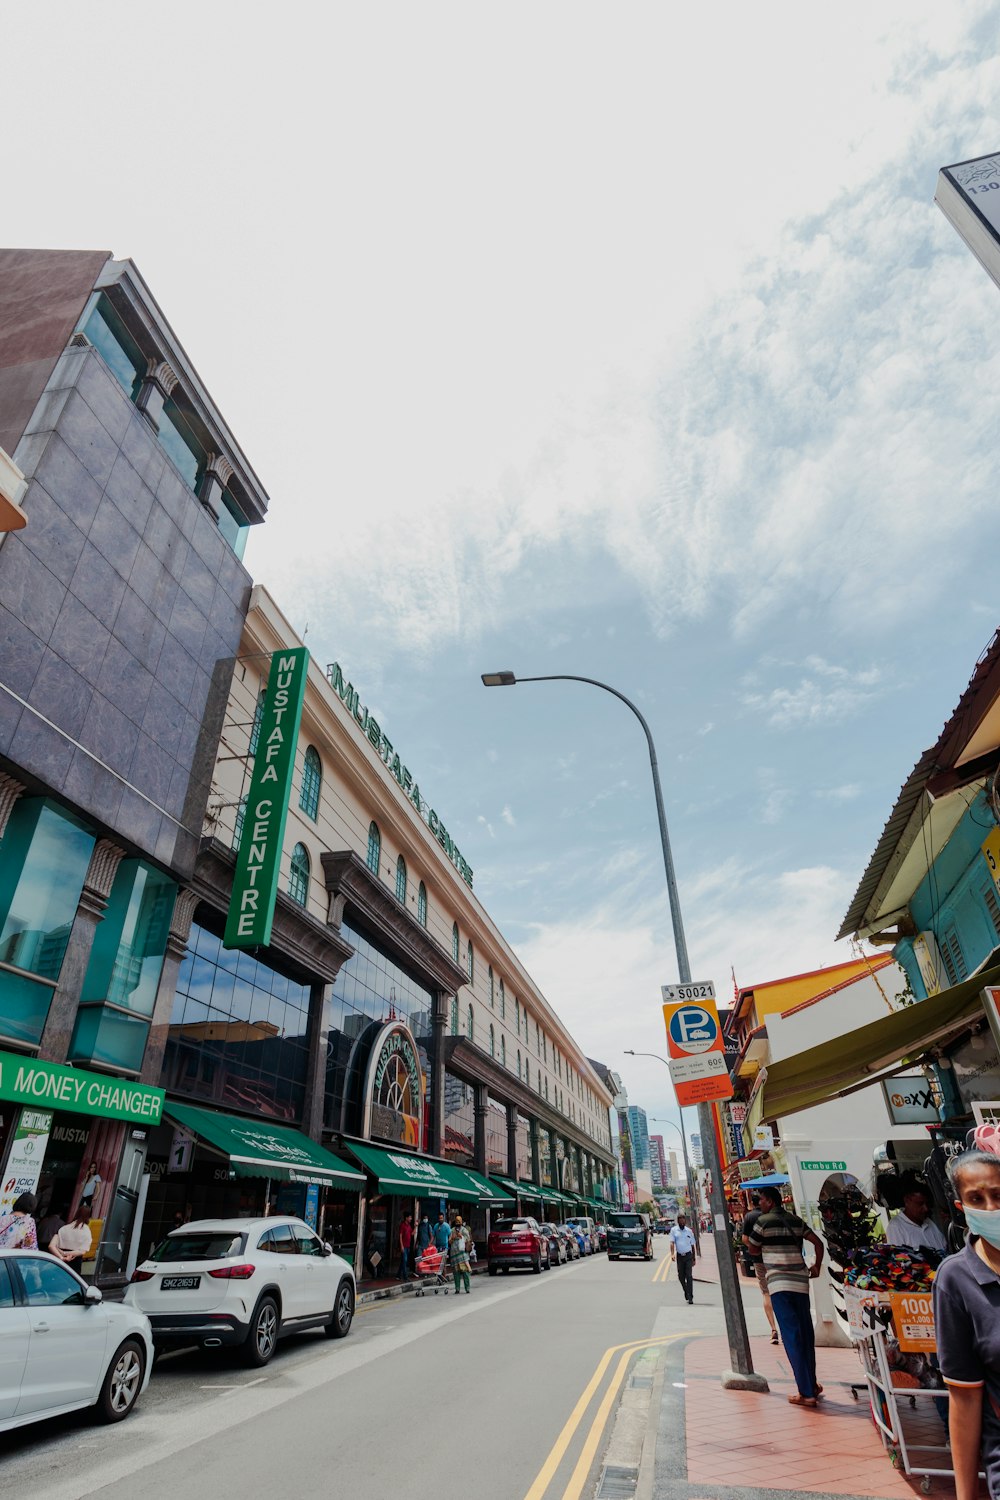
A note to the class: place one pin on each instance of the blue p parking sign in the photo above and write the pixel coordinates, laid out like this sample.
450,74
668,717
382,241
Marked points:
693,1029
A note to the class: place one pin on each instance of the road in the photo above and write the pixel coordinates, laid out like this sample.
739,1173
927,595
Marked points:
507,1394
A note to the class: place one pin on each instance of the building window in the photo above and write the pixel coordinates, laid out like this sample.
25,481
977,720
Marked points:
298,880
518,1062
538,1039
454,1015
471,1024
546,1088
503,1050
241,812
374,859
470,962
454,941
493,1041
490,981
312,780
422,904
545,1049
503,1002
401,880
258,714
954,958
517,1017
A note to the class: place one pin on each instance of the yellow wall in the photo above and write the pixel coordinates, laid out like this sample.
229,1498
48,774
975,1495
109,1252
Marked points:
784,994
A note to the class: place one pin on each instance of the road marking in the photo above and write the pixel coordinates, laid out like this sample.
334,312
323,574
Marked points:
241,1385
662,1272
558,1451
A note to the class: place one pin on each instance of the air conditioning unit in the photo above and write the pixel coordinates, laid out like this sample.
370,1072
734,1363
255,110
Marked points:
925,951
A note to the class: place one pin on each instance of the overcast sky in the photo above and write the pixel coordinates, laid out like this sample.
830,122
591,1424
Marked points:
617,341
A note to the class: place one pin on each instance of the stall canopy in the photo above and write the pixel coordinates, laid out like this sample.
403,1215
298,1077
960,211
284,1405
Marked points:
871,1052
257,1149
402,1176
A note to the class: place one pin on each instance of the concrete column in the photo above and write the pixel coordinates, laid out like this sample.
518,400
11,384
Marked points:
581,1182
158,383
217,475
554,1160
163,1006
314,1105
512,1141
58,1030
480,1109
536,1165
439,1023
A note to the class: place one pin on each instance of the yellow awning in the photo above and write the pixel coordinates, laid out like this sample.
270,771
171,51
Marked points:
871,1052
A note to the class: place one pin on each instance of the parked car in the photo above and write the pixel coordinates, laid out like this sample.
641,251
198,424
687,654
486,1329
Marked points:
63,1347
589,1228
558,1254
243,1283
602,1236
572,1243
517,1242
582,1240
629,1234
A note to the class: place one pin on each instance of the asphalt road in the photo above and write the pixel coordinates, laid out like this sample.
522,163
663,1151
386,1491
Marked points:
507,1394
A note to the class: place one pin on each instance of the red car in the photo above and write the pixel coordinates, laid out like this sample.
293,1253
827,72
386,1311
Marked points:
517,1242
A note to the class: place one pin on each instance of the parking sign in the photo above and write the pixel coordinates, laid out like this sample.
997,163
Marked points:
697,1056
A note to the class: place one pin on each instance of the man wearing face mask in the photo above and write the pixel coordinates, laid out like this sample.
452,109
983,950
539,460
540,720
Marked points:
967,1326
913,1228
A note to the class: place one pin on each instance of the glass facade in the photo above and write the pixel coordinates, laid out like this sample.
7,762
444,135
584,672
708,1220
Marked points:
130,942
298,875
233,524
239,1032
116,346
312,780
371,988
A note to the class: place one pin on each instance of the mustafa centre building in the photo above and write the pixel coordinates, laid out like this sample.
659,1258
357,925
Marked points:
242,962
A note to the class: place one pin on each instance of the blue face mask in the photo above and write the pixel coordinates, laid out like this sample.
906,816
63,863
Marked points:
986,1222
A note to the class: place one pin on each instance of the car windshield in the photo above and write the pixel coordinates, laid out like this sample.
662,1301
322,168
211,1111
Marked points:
511,1226
204,1246
626,1221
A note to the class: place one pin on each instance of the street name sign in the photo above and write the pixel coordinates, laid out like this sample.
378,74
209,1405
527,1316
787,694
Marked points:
694,1043
823,1166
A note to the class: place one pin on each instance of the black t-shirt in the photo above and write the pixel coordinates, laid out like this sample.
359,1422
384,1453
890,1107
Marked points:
749,1221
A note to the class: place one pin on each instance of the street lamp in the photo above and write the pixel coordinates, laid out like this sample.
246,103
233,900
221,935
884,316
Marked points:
742,1375
692,1197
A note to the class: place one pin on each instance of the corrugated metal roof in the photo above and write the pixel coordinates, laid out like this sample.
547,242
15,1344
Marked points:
983,688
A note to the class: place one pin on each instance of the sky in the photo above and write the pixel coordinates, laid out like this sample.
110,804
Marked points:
624,342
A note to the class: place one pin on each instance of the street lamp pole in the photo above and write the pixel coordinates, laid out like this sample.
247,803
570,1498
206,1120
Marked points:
692,1196
742,1375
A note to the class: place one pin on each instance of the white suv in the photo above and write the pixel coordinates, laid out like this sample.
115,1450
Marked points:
243,1282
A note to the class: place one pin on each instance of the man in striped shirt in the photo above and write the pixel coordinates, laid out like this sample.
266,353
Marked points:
778,1237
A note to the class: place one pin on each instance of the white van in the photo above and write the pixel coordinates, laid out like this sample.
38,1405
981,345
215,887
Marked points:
589,1228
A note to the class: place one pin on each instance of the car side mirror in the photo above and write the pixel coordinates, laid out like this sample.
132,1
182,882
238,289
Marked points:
328,1249
93,1294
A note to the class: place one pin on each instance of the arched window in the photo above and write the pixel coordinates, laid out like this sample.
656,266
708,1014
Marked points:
503,1050
454,1015
258,714
422,904
312,780
470,962
298,880
401,880
241,812
546,1088
518,1062
538,1040
454,941
503,1002
493,1041
517,1016
374,848
472,1025
489,977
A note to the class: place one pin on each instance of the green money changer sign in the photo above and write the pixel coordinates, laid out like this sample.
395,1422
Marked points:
258,863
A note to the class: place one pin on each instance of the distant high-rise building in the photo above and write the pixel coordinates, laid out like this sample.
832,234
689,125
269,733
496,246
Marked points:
639,1132
697,1155
658,1163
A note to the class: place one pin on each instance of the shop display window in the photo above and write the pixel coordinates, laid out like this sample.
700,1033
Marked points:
109,1038
44,855
130,942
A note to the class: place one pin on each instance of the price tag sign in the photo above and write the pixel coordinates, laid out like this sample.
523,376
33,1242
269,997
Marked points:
913,1320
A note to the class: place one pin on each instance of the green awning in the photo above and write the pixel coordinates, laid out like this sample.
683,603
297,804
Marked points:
553,1195
403,1175
258,1149
871,1052
490,1195
510,1187
530,1190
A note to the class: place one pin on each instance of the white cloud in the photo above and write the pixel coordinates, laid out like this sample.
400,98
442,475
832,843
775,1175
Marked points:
484,823
849,792
810,702
508,817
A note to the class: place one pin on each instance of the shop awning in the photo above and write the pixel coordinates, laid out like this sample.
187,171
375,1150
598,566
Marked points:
512,1188
256,1149
400,1175
490,1195
871,1052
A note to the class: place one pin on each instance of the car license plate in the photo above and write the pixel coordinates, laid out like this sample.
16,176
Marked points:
510,1239
180,1283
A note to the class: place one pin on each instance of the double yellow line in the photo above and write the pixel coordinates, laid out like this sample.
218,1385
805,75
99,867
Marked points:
662,1272
578,1478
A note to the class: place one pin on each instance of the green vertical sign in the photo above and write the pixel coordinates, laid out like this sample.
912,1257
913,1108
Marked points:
258,864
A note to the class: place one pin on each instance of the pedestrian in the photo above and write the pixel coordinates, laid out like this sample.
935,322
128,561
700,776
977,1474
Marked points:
757,1264
92,1187
967,1327
17,1228
913,1228
682,1246
424,1234
74,1239
778,1237
405,1245
49,1226
442,1233
458,1255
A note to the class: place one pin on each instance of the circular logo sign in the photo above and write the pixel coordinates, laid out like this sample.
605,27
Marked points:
693,1029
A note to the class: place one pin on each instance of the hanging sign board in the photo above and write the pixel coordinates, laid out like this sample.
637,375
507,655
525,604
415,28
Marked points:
913,1320
695,1047
910,1100
968,194
24,1160
863,1316
258,864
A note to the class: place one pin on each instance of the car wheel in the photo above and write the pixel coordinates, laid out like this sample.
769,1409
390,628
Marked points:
536,1265
263,1336
648,1255
123,1382
339,1325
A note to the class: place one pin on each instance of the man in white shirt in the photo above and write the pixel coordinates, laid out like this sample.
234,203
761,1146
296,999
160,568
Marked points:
913,1228
682,1243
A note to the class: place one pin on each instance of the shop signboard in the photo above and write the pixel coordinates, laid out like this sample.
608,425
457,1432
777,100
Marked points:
913,1321
694,1044
968,194
311,1214
862,1315
910,1100
763,1138
748,1170
258,863
24,1160
26,1080
976,1066
393,1089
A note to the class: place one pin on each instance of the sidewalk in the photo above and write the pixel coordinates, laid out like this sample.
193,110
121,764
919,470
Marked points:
713,1444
